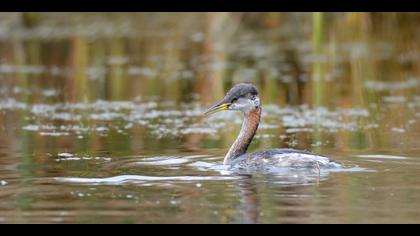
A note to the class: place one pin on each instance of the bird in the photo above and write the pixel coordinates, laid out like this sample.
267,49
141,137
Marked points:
244,97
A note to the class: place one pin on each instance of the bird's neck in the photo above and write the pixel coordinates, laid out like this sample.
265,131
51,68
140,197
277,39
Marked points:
244,139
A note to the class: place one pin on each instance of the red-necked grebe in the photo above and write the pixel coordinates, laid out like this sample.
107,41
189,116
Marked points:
244,98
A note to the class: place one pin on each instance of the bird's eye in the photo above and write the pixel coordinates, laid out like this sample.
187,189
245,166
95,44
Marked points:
234,100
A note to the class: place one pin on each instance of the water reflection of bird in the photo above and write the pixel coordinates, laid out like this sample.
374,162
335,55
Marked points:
244,97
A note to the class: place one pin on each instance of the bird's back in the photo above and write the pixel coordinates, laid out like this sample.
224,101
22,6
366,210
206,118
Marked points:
281,157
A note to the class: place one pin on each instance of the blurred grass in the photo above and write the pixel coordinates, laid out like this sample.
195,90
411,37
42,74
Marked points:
318,59
214,41
318,75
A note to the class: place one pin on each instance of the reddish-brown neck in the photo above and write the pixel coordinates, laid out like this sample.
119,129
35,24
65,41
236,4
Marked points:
244,139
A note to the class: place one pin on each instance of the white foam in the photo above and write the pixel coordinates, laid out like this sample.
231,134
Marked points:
379,156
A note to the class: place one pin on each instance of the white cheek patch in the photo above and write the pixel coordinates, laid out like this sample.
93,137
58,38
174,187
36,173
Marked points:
256,102
245,105
239,106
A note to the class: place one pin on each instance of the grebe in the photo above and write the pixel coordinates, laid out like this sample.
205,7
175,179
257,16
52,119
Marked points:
244,97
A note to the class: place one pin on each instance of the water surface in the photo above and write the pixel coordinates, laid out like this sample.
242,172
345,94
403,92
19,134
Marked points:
101,117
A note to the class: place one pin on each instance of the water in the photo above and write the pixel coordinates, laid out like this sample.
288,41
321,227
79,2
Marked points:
101,119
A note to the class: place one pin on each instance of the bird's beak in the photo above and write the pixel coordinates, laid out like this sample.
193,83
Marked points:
217,108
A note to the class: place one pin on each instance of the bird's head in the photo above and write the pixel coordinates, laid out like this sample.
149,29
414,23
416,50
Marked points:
242,97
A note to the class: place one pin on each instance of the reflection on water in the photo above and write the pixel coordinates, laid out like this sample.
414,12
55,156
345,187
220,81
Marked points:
101,116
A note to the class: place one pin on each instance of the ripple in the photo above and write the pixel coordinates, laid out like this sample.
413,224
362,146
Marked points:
207,166
380,156
163,161
133,179
71,157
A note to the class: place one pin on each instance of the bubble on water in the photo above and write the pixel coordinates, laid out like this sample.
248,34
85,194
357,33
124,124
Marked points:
96,72
410,56
19,90
398,130
293,143
49,93
355,112
267,126
11,104
264,136
197,37
317,144
69,159
22,69
65,155
102,129
198,131
166,122
64,116
106,116
391,85
394,99
31,128
298,130
341,119
142,71
117,60
54,134
411,122
129,126
371,126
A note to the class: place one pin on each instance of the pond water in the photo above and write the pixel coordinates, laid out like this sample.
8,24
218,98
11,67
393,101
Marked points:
101,117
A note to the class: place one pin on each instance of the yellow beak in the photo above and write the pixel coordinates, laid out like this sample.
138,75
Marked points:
217,108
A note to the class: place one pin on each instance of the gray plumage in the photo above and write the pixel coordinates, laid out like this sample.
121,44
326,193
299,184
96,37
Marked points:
282,157
238,91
